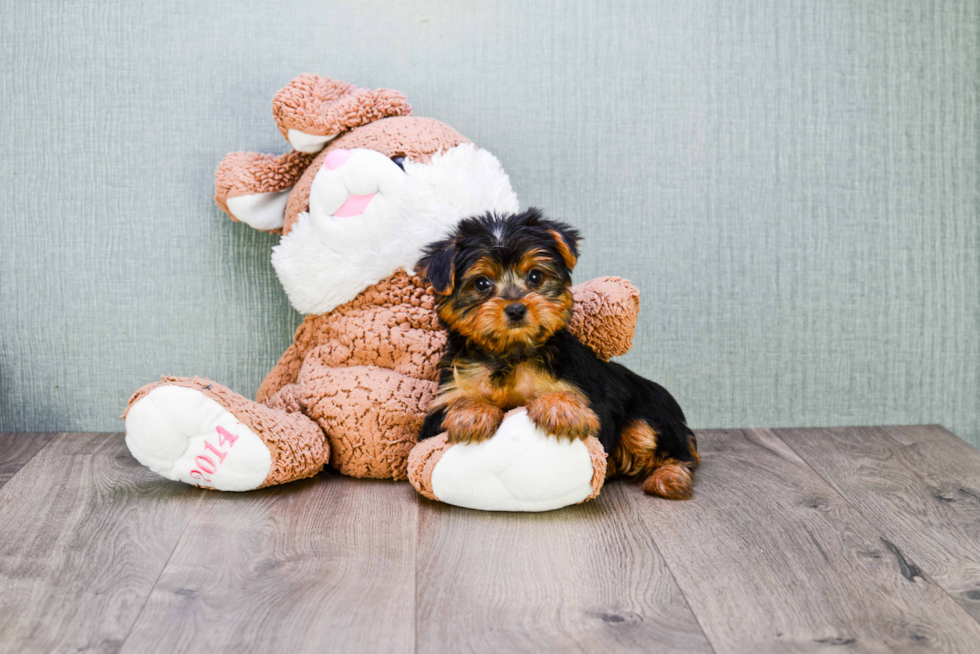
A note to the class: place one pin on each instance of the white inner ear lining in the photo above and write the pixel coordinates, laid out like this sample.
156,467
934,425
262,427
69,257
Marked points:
309,143
263,211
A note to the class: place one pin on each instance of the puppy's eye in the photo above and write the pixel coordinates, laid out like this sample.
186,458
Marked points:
483,285
399,161
535,277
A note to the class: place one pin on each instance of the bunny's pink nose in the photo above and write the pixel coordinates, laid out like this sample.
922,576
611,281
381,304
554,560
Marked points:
336,158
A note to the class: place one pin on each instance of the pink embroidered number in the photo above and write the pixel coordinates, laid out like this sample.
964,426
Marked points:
225,437
205,464
221,455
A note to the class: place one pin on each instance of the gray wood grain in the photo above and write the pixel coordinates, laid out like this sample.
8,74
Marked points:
16,449
583,579
85,534
796,540
325,564
920,486
773,559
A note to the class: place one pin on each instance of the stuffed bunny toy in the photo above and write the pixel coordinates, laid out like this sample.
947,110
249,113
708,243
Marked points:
365,187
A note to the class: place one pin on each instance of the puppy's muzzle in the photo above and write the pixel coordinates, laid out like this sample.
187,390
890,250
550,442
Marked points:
515,312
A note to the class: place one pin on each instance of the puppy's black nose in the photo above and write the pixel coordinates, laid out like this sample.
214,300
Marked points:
516,311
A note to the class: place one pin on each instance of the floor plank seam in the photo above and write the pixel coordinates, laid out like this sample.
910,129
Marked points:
874,524
673,576
190,519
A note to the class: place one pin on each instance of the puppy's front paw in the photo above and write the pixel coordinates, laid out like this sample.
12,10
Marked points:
471,421
565,415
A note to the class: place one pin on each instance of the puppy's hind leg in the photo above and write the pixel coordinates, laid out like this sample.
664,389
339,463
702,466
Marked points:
675,460
640,453
658,447
676,455
671,480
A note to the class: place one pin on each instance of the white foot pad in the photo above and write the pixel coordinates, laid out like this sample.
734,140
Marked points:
183,435
520,469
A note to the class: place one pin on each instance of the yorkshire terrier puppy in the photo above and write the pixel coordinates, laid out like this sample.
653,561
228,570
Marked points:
502,287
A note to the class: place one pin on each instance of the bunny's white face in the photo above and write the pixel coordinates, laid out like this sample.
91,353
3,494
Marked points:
355,193
370,216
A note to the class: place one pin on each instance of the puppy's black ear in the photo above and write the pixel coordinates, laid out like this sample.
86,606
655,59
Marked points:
566,240
438,265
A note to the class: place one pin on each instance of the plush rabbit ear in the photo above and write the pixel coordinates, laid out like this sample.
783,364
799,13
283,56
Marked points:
311,111
253,188
438,265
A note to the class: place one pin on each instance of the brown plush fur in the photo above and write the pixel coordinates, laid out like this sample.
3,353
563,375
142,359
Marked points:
315,105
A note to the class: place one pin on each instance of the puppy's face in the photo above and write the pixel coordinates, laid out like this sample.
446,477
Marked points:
503,282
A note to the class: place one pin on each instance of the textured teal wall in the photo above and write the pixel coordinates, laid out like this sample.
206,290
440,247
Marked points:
792,185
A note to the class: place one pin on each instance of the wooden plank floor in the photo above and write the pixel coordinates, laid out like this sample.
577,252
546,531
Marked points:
857,539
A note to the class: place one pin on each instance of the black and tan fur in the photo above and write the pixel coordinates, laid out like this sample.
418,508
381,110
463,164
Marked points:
502,287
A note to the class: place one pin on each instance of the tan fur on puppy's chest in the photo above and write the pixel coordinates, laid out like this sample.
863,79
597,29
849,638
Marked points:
521,384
